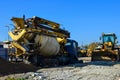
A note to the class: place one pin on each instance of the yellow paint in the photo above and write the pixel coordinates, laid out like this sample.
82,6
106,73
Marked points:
18,36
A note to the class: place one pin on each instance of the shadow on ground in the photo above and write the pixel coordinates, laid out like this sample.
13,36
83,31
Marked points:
103,63
87,61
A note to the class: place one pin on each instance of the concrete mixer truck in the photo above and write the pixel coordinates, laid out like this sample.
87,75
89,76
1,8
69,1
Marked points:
41,42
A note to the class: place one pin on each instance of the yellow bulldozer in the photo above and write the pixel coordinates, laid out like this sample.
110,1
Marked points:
108,50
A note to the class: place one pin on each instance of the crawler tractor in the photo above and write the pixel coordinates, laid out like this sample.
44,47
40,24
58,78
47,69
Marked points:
108,50
41,42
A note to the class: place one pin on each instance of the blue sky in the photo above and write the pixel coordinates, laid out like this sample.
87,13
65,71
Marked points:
84,19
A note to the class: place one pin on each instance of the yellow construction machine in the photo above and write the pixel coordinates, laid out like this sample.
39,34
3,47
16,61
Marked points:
108,50
40,41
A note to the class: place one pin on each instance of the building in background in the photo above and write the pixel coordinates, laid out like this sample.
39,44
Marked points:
4,50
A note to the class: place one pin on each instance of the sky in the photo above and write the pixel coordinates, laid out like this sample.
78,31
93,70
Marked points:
86,20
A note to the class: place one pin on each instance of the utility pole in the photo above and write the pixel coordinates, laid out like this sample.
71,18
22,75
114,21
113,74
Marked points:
8,39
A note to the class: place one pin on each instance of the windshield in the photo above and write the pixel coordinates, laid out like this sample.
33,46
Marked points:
108,39
68,44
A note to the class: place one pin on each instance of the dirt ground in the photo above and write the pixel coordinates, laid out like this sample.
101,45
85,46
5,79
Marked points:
97,70
7,68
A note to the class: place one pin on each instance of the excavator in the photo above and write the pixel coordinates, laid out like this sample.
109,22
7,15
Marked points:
41,42
108,50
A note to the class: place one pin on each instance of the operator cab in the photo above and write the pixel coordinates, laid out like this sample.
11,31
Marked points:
72,48
109,38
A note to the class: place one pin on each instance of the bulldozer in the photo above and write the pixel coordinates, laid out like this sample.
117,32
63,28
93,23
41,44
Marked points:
108,49
41,42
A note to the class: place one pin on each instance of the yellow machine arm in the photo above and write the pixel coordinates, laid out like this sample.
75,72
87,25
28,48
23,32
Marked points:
41,24
25,30
52,24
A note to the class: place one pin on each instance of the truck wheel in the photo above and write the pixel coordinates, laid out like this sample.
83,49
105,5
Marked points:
35,60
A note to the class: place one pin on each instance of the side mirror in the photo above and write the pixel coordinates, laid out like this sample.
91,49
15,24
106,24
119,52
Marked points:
116,42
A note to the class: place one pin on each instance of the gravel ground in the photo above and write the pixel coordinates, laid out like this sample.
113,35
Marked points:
98,70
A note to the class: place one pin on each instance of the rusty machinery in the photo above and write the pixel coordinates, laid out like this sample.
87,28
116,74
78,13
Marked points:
38,40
